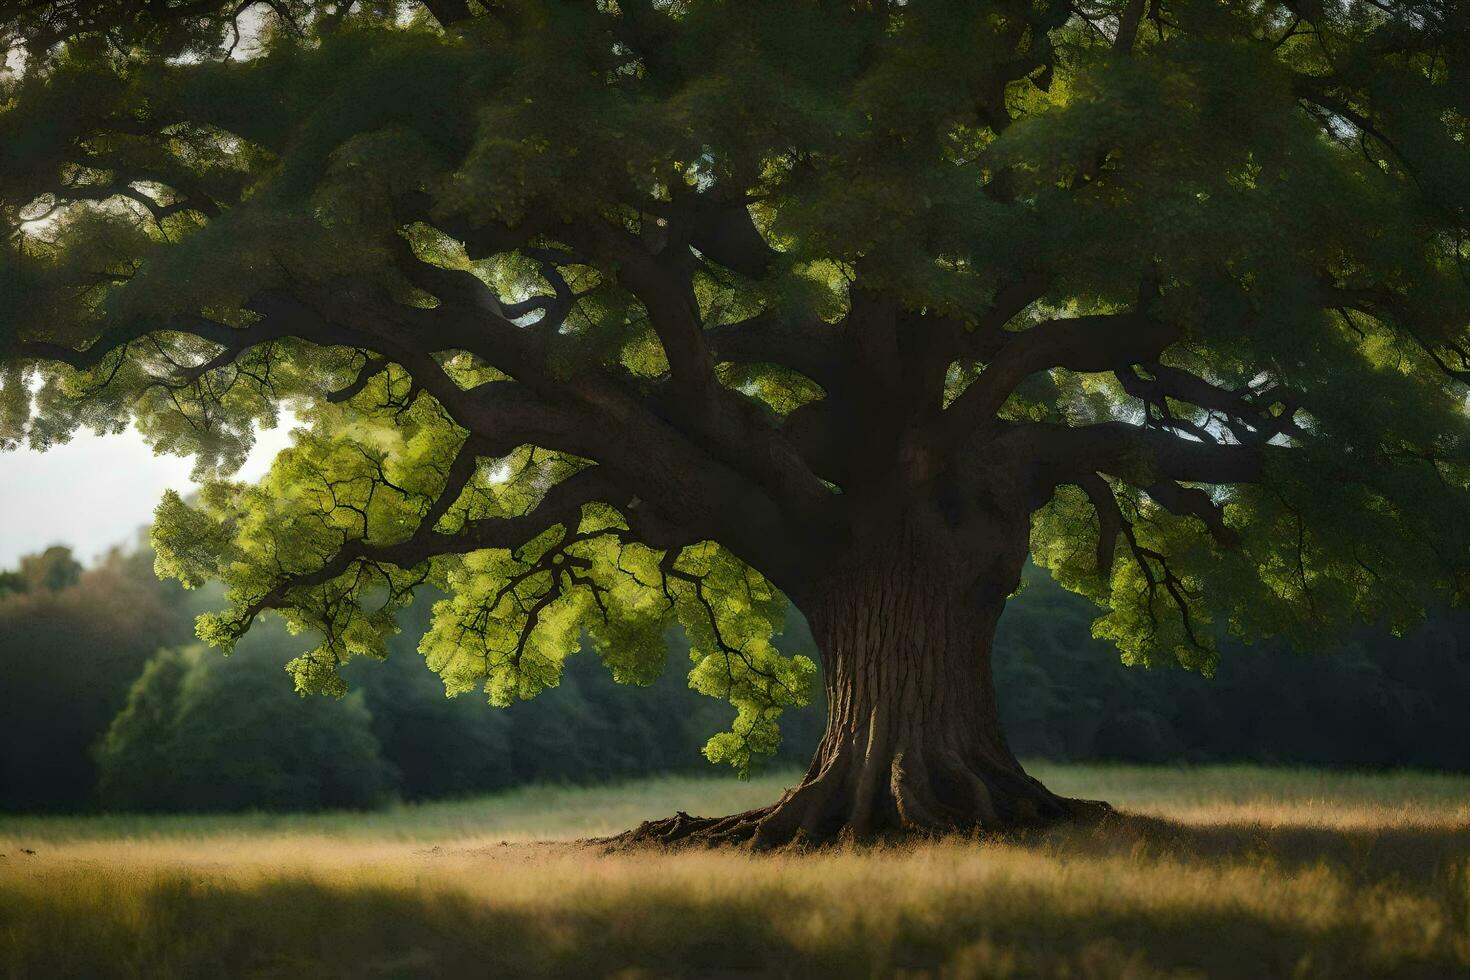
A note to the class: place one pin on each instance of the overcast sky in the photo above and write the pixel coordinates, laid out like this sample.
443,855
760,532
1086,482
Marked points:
96,491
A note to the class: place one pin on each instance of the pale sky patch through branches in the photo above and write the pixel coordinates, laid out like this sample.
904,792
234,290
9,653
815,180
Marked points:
98,491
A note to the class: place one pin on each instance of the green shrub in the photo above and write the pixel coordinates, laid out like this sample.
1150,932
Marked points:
204,732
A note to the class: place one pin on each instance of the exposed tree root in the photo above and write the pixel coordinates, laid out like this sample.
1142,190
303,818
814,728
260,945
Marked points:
827,810
683,830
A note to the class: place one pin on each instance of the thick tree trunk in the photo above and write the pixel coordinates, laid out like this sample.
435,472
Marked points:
913,740
913,744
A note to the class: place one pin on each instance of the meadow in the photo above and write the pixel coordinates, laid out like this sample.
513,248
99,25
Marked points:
1218,871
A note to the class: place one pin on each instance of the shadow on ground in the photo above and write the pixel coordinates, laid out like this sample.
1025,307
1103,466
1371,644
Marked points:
1416,851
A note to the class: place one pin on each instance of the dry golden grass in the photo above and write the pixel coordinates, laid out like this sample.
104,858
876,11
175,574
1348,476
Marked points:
1232,872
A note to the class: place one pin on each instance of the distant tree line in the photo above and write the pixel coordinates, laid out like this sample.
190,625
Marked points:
106,702
1387,702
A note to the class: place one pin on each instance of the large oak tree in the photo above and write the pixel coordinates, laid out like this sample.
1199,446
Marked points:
601,316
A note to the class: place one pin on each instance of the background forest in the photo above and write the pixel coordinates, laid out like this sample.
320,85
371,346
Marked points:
109,704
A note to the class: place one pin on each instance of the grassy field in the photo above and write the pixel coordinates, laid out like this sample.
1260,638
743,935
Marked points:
1236,872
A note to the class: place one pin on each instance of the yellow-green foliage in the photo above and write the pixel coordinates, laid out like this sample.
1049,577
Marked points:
366,473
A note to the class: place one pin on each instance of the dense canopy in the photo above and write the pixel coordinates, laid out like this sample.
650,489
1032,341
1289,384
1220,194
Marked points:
602,316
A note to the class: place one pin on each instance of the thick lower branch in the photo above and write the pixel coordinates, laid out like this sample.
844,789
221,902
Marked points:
562,504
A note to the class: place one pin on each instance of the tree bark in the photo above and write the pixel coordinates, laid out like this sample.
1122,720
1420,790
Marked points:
913,744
